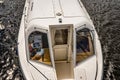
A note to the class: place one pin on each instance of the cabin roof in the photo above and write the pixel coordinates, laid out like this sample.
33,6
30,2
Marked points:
52,8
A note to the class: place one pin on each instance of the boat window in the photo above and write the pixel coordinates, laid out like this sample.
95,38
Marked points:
39,48
61,36
84,45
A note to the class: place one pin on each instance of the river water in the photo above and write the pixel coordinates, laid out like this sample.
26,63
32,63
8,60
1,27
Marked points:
106,18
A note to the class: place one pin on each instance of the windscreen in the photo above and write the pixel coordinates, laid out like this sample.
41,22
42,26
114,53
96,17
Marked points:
84,45
39,48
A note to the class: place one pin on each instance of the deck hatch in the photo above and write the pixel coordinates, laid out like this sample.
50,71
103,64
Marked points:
40,10
71,8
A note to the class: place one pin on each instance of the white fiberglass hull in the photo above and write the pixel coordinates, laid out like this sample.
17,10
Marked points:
58,41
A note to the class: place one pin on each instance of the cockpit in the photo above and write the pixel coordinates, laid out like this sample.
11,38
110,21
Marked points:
39,47
62,44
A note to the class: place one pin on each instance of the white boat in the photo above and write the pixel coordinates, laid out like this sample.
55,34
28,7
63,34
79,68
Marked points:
57,41
1,1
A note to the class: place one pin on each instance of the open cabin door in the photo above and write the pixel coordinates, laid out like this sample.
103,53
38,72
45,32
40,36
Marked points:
84,56
61,36
40,56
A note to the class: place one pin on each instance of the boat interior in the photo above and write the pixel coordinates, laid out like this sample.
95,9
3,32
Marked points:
62,48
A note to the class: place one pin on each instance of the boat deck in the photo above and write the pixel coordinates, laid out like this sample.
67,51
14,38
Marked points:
64,72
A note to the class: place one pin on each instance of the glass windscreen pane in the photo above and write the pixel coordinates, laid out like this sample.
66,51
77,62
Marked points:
61,36
84,45
39,48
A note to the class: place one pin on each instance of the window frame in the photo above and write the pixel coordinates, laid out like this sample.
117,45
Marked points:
92,35
27,34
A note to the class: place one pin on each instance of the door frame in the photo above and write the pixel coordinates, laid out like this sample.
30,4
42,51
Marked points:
52,29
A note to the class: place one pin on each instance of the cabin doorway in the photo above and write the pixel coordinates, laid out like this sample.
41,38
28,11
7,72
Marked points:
61,37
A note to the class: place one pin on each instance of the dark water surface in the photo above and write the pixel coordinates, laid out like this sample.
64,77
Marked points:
106,18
